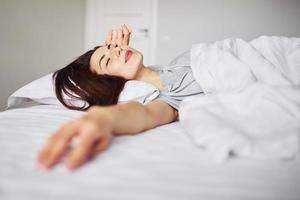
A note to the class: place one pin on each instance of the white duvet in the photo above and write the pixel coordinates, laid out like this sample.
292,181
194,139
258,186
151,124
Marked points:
251,105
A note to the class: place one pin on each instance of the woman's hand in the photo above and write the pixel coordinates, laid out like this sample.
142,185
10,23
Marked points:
120,36
91,137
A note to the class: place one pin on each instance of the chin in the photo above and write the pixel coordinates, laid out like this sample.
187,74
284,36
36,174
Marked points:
137,59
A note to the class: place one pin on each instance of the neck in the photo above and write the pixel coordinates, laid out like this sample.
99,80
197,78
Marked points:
150,76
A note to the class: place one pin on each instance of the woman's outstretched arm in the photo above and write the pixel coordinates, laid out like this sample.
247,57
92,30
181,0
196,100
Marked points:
134,117
95,130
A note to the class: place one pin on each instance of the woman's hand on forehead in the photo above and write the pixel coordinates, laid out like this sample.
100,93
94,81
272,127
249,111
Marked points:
119,37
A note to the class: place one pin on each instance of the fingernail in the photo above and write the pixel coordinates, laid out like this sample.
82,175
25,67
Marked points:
40,166
69,165
48,167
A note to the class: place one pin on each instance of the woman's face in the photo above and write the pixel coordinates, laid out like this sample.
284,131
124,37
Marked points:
120,61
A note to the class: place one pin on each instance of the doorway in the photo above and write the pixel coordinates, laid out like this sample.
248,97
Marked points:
139,15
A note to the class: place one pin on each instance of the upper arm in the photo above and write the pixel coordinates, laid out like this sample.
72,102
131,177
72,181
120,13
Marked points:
160,113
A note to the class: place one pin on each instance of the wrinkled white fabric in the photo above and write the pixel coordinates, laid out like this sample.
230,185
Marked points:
251,105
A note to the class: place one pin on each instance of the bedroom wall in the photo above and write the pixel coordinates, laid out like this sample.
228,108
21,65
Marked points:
36,38
182,23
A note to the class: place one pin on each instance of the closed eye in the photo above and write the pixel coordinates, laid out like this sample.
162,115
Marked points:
107,62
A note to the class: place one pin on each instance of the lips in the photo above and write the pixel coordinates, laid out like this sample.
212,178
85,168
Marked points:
128,55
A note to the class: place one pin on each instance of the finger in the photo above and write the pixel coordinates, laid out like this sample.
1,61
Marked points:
126,35
119,37
108,37
128,29
43,154
101,145
57,144
57,150
82,151
114,37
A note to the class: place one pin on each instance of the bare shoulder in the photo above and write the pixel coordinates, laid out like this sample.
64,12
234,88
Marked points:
162,111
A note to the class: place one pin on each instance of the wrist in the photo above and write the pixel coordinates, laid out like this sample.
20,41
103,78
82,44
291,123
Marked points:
100,115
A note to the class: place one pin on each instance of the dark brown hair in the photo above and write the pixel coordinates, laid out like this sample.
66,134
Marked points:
78,82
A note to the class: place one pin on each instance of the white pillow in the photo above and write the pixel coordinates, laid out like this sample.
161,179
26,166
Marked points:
42,91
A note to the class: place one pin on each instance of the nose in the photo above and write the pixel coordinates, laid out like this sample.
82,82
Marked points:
116,51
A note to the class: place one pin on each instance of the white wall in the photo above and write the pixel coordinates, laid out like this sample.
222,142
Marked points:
39,36
36,38
184,22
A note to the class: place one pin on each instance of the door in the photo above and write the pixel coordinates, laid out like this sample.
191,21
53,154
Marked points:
139,15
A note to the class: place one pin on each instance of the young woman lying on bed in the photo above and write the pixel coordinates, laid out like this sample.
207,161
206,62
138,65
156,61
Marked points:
98,77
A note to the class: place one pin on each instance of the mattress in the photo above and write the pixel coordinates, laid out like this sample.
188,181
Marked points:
162,163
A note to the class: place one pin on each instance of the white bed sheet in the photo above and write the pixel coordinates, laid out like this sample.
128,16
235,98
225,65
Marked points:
161,163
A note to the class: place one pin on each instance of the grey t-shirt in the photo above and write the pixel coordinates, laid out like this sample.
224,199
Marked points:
178,81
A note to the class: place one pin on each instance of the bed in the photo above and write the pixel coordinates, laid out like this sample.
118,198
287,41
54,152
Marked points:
168,162
161,163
